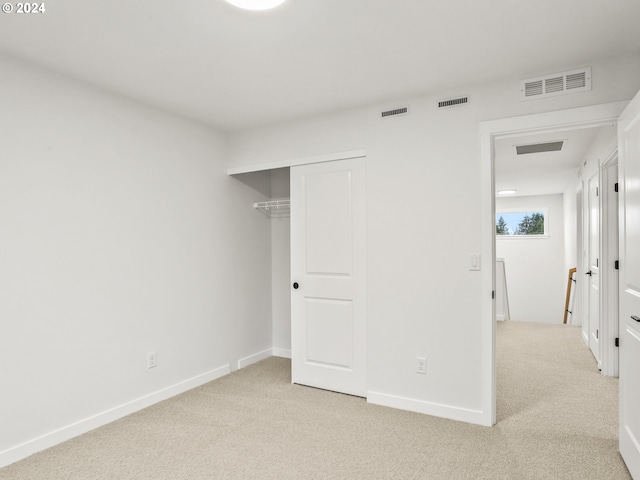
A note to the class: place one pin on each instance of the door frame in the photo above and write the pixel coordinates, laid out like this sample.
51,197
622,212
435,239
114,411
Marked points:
583,259
591,116
577,314
609,238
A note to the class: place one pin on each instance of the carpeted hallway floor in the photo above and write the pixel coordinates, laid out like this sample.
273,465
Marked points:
557,419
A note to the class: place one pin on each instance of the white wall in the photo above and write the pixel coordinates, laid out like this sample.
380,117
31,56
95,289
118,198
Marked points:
122,234
569,208
570,212
281,268
424,210
536,279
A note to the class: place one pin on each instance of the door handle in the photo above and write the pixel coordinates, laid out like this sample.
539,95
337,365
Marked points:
295,285
636,318
589,273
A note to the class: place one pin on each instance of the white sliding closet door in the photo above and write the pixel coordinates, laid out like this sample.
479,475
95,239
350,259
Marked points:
328,274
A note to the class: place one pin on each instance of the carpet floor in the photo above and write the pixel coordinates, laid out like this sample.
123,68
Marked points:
557,419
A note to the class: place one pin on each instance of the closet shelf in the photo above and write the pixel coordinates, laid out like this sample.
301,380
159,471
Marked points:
274,208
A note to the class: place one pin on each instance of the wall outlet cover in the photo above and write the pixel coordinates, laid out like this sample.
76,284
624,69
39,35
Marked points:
421,365
152,360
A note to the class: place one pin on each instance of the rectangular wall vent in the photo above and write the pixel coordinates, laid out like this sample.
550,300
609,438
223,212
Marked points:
395,111
556,84
453,101
539,147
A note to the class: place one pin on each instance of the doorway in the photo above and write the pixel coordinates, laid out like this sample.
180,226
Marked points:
336,364
535,177
491,131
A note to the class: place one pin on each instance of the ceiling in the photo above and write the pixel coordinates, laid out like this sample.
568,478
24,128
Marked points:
234,70
542,173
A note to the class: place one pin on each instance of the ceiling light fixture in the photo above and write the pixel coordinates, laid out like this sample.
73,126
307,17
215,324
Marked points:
510,191
255,4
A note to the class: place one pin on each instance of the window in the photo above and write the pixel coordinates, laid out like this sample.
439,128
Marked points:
522,223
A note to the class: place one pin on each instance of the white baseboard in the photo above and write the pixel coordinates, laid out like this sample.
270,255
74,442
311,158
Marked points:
68,432
255,358
282,352
428,408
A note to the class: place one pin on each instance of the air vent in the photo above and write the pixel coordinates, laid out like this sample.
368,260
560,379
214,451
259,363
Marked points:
556,84
533,88
452,102
539,147
395,111
577,80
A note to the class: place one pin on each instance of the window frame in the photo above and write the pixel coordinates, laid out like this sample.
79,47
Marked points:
543,210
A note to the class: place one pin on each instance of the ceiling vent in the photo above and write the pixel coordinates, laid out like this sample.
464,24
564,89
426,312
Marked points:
395,112
453,101
539,147
556,84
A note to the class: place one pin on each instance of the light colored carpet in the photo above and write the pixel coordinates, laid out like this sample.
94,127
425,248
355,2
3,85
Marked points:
557,419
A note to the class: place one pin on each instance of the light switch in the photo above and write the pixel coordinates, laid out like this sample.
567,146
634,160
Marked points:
474,261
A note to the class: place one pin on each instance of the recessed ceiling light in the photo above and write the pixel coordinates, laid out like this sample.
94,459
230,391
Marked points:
510,191
256,4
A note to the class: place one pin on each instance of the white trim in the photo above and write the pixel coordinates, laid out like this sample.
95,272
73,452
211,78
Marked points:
556,121
328,157
68,432
255,358
577,314
488,279
608,274
282,352
428,408
521,237
561,120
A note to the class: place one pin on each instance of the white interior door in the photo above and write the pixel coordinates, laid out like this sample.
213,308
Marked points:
593,274
328,262
629,277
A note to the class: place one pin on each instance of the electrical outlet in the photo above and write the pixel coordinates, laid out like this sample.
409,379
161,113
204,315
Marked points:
152,360
421,365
